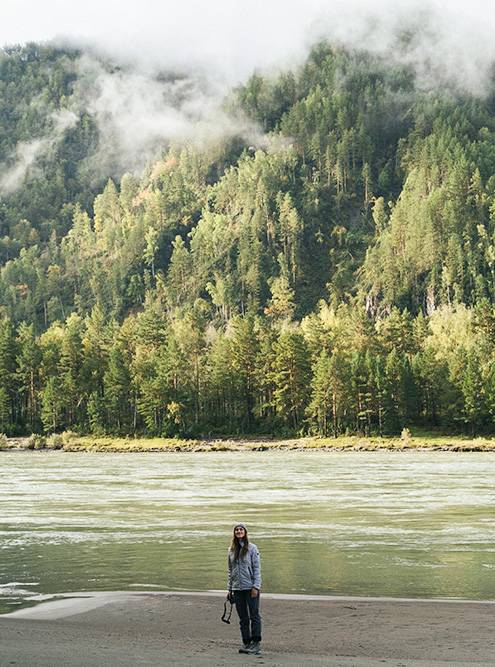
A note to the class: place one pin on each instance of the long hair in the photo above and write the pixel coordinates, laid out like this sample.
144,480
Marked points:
235,546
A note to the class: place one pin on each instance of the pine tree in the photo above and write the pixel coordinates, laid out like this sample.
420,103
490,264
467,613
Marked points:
52,405
330,392
117,390
245,350
472,391
73,389
7,376
28,363
291,378
222,388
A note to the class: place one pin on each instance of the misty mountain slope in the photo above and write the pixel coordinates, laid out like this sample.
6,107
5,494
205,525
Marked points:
317,257
42,145
69,120
364,187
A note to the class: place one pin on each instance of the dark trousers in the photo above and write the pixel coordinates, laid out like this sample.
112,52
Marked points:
249,615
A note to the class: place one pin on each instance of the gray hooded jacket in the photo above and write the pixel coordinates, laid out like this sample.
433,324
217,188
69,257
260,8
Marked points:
245,573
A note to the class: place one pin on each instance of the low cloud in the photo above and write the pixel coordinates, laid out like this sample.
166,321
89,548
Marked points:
207,48
446,44
230,38
23,160
139,113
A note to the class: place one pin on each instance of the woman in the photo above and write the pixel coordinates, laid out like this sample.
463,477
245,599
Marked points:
245,584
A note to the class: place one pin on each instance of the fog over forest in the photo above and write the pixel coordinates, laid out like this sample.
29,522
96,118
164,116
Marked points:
210,48
222,220
231,39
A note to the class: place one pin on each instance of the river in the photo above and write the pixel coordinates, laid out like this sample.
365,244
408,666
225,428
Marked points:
401,524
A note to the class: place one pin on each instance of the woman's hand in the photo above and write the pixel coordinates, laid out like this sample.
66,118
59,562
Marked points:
254,592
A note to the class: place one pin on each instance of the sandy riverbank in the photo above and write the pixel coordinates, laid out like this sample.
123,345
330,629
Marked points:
127,629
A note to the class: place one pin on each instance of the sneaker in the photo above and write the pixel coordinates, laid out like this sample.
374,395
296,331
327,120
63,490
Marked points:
254,648
245,648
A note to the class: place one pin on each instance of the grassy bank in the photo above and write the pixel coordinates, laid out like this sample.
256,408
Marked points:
428,441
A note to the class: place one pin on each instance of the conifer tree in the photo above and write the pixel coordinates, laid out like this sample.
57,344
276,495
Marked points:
7,376
291,377
244,352
28,376
472,391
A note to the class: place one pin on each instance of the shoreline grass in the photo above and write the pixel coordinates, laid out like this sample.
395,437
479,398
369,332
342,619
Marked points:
423,442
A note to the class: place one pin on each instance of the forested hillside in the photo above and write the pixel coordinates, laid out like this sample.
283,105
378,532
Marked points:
339,279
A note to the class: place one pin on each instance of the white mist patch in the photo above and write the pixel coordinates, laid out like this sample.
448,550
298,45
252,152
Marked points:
231,39
445,44
24,155
139,113
23,159
216,46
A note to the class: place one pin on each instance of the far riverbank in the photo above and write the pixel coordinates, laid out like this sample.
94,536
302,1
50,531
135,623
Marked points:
71,442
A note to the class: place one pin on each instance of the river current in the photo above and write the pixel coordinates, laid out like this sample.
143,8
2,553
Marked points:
400,524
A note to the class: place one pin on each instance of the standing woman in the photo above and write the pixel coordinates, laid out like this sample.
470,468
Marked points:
245,584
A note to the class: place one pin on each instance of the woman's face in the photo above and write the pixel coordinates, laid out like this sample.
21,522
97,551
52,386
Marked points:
240,532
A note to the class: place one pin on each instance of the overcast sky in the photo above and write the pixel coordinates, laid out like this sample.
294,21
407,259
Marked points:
235,36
